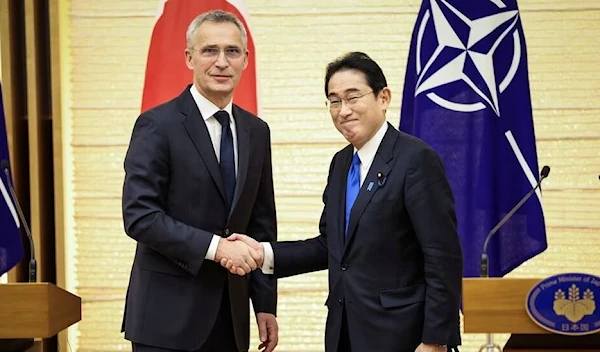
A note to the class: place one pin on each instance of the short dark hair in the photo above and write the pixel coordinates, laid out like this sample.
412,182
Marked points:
215,16
360,62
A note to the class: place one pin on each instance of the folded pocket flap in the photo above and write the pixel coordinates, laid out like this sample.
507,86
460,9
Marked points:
403,296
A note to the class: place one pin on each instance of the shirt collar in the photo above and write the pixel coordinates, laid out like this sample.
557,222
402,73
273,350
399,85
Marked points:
208,108
368,151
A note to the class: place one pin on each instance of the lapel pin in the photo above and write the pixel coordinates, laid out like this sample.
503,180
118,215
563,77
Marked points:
370,187
381,178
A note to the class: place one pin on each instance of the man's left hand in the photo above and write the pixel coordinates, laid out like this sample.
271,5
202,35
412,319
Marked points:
268,331
426,347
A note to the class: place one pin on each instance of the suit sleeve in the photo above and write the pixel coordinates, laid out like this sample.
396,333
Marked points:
263,228
430,205
145,193
300,257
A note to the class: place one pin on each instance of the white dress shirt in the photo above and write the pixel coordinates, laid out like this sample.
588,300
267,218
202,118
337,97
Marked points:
207,110
366,155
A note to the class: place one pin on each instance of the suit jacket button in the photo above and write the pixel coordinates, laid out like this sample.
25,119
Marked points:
344,267
339,302
226,232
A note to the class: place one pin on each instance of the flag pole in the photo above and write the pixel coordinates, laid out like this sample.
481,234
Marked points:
490,346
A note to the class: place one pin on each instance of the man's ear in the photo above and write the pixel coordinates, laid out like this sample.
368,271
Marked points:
386,97
188,59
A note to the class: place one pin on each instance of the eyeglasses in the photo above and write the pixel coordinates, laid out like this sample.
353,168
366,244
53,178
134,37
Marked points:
335,103
212,52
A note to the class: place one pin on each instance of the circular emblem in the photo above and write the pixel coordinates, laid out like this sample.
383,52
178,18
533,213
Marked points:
566,304
470,54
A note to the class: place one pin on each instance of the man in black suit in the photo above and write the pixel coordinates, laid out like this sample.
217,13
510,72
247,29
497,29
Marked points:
198,169
387,232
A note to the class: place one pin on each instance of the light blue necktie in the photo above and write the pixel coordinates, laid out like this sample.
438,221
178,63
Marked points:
352,187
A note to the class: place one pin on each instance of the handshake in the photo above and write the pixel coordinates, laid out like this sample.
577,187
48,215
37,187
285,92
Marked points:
240,254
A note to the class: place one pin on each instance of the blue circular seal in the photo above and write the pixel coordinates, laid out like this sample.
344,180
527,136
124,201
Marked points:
566,304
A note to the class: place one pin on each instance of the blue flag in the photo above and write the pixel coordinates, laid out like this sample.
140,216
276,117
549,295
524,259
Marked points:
466,94
11,250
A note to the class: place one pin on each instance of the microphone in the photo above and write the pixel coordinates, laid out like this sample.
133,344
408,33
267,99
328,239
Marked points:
5,165
484,257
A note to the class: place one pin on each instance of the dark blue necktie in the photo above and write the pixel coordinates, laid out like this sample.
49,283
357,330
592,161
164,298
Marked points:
352,187
227,162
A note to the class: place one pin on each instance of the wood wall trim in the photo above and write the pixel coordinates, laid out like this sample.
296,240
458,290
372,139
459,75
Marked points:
57,142
57,151
34,131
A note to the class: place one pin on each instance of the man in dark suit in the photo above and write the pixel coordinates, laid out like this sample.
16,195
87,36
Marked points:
387,232
198,169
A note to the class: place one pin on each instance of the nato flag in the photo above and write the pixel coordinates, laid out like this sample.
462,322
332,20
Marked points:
11,250
466,94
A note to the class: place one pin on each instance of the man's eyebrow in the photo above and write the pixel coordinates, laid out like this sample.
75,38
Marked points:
228,46
349,90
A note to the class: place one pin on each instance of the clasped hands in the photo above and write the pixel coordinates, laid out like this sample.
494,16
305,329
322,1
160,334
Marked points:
240,254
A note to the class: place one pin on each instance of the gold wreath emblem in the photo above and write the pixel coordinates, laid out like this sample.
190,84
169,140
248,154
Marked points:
575,307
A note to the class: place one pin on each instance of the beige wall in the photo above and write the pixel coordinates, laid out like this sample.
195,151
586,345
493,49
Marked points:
106,48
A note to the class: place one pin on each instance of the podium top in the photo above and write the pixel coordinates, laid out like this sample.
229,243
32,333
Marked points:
497,305
36,310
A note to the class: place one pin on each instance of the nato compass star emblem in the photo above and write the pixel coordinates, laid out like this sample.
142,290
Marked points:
464,53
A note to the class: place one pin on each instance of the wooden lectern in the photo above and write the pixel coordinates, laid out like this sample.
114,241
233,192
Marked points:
497,305
36,310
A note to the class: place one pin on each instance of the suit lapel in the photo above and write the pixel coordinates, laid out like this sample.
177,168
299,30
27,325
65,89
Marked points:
338,190
196,129
372,183
243,148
